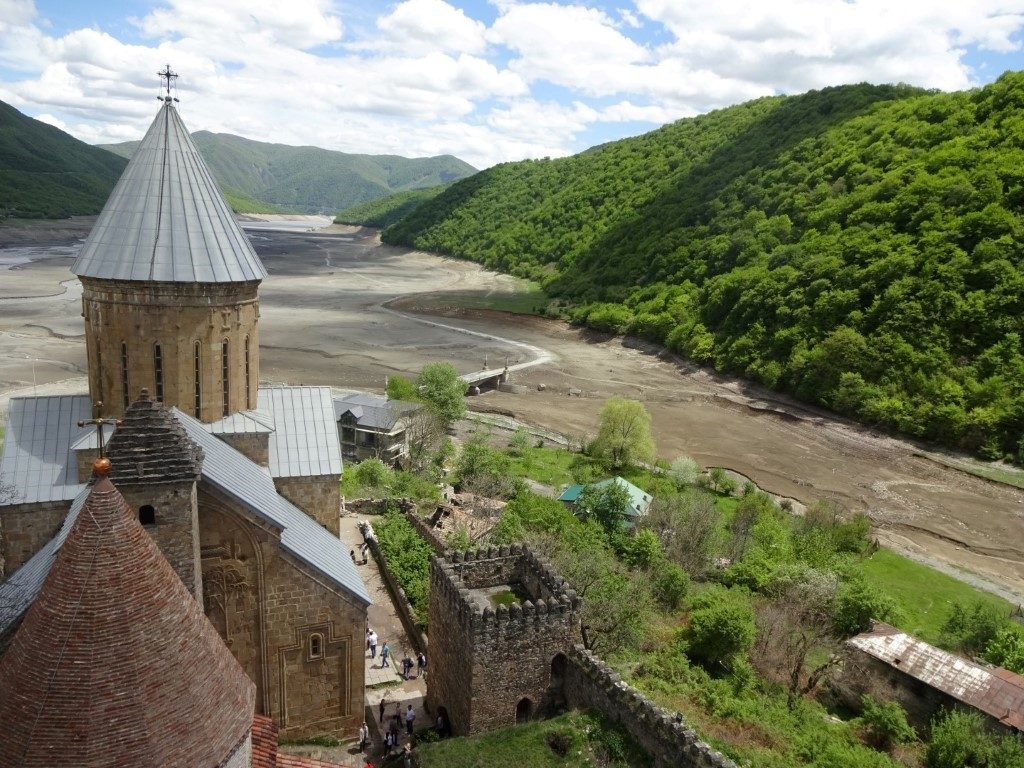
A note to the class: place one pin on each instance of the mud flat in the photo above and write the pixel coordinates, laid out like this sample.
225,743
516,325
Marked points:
341,309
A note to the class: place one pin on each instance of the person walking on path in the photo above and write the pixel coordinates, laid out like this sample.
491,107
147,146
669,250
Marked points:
406,667
363,550
383,703
373,644
368,631
421,665
364,737
385,651
410,717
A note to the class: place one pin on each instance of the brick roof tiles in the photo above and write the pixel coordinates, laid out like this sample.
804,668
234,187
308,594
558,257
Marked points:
115,663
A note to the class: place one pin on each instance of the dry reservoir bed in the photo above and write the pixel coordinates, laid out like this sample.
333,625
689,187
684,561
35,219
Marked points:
341,309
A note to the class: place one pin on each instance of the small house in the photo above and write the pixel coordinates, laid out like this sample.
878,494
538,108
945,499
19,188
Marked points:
639,500
373,427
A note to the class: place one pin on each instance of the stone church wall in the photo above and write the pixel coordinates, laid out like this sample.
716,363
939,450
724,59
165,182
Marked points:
591,684
25,528
318,496
175,316
268,607
253,446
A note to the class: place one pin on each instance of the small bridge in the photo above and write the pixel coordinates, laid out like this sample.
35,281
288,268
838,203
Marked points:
480,381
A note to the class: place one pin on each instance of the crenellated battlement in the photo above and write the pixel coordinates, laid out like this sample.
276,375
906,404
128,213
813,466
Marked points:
496,661
454,579
594,685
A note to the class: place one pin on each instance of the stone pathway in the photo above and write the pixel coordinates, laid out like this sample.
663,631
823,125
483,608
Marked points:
384,684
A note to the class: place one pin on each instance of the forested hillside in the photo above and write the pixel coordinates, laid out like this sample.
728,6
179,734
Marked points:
310,179
859,247
385,211
45,173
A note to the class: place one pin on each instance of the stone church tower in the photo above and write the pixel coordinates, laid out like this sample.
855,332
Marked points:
170,286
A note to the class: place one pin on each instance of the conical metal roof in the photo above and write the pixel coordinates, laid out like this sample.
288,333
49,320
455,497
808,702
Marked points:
166,220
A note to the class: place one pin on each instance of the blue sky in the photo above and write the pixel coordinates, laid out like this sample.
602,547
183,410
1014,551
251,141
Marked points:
487,81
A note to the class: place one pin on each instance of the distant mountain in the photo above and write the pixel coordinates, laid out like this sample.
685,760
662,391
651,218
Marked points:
46,173
310,179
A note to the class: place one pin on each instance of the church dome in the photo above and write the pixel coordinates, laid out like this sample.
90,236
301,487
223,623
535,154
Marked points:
115,663
166,220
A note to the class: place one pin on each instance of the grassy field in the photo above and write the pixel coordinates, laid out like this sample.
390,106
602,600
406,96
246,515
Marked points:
1000,473
572,740
923,594
527,299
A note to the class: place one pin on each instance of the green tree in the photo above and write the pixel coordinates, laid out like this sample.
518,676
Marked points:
401,388
971,628
721,628
624,437
608,504
857,604
1006,649
441,388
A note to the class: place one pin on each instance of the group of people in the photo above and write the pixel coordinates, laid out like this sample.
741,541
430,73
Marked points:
372,642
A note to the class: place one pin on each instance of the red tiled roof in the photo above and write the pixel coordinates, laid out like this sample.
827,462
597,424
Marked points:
294,761
264,742
115,663
995,691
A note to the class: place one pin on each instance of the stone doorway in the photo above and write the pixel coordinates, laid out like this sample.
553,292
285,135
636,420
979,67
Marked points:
524,710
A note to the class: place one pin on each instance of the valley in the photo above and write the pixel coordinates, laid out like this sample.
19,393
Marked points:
340,308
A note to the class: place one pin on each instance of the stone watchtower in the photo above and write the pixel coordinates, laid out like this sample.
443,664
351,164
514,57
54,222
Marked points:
169,285
507,622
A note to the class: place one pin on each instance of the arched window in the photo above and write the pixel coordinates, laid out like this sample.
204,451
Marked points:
316,646
197,376
158,372
147,514
224,374
248,392
124,375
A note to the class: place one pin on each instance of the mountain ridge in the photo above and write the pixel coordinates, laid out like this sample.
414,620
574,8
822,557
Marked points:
858,247
310,179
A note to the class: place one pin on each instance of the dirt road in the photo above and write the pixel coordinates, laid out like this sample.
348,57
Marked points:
324,321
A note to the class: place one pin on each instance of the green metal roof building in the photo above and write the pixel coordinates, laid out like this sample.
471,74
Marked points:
639,501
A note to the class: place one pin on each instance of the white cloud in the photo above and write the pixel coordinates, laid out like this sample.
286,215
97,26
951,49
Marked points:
421,26
425,77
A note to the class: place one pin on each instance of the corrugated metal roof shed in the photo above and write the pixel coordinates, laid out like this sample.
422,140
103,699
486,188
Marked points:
18,592
166,219
993,690
639,501
248,483
305,442
38,460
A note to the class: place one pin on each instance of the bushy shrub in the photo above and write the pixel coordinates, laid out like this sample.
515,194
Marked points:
670,583
885,722
857,604
721,627
970,628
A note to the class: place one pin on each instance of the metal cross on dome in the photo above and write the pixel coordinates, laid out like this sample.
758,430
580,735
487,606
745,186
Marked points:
99,422
168,77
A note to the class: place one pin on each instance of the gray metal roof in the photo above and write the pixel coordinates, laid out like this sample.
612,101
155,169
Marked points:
253,422
18,592
373,411
247,482
305,441
38,460
166,219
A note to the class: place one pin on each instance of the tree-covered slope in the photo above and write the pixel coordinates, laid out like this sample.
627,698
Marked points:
860,247
45,173
385,211
310,179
